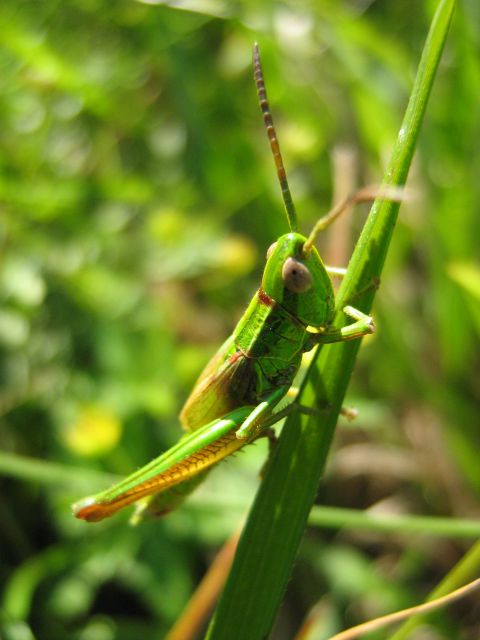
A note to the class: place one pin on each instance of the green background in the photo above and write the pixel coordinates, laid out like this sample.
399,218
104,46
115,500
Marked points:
137,200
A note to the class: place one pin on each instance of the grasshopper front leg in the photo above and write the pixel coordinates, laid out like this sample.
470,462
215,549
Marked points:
364,324
254,423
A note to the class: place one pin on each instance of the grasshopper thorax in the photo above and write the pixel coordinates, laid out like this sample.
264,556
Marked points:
299,281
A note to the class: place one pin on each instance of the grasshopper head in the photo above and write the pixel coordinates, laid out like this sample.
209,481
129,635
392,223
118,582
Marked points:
298,280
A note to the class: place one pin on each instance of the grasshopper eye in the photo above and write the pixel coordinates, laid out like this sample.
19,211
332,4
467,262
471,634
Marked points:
296,276
271,249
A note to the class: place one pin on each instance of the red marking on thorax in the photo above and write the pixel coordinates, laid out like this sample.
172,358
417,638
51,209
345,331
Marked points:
235,356
265,299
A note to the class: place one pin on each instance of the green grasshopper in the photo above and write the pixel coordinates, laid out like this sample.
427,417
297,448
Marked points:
236,398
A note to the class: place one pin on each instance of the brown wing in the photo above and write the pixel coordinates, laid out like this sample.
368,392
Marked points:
220,388
214,363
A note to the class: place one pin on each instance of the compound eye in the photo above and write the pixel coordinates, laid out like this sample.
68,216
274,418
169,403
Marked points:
296,276
271,249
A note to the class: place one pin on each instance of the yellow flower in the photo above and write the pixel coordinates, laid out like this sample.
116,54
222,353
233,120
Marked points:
95,431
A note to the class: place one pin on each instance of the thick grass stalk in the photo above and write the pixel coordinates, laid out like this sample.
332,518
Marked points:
272,534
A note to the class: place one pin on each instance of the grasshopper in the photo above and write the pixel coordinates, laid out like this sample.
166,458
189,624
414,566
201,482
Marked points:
236,398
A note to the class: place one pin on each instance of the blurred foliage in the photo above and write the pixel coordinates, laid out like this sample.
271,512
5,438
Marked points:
137,200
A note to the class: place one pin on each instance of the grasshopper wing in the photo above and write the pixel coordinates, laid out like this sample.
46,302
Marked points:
221,388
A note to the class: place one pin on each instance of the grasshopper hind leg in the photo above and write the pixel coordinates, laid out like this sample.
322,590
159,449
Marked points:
161,504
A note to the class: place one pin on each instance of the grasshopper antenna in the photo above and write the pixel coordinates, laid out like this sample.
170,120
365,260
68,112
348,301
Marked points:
272,136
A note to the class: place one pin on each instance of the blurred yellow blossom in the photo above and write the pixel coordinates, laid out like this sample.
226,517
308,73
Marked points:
95,431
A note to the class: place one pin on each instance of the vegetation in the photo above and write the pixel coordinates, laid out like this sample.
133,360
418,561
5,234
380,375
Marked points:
138,200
